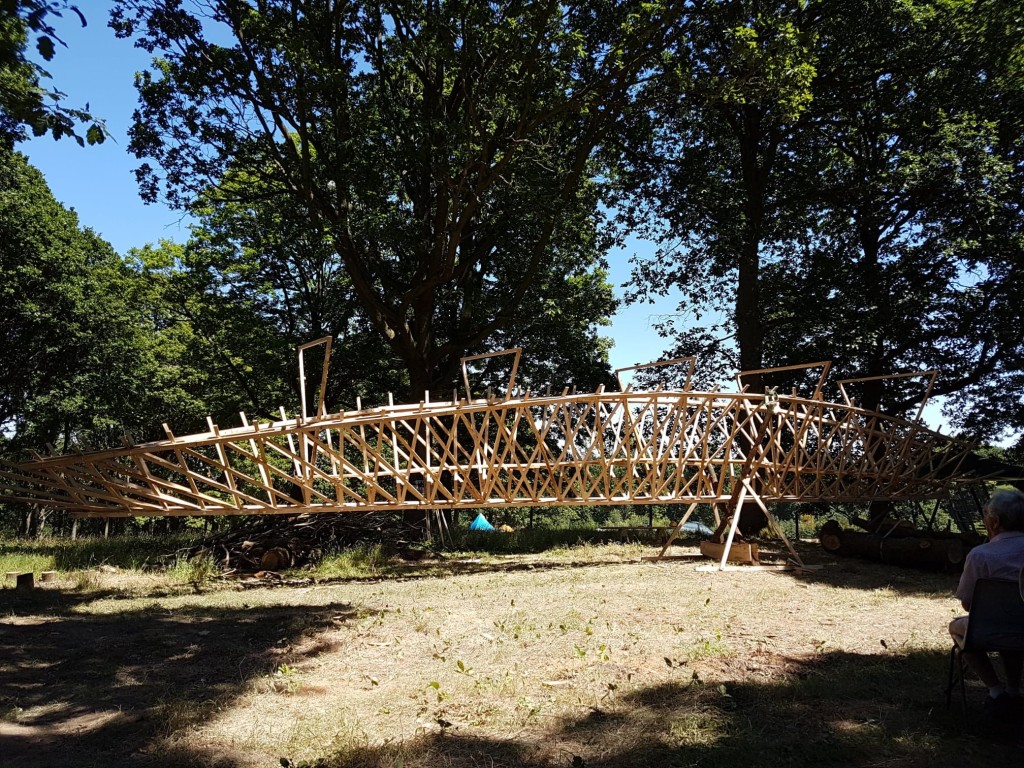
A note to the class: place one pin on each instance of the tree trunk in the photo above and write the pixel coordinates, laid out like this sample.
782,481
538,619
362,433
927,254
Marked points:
921,551
749,330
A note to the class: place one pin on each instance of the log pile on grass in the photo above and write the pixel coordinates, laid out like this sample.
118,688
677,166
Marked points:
899,543
275,544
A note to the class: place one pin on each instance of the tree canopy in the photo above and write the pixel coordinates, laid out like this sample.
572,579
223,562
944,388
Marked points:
424,181
443,152
847,177
71,353
100,348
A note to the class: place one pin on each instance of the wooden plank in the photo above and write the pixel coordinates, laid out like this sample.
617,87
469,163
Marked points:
758,567
734,552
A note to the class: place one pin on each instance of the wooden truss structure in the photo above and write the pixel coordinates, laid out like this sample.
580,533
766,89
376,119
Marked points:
517,449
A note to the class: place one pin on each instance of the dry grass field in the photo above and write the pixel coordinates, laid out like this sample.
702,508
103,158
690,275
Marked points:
581,657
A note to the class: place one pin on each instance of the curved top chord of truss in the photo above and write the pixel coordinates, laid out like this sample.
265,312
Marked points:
659,446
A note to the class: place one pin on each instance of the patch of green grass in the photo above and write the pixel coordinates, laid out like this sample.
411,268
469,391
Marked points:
194,570
526,540
355,563
24,561
698,727
708,647
124,552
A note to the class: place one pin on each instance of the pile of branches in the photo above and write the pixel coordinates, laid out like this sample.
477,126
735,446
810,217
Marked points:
276,543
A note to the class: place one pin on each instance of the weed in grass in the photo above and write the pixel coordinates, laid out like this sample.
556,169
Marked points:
196,571
307,734
85,581
504,686
435,689
441,652
360,562
707,648
423,622
699,728
374,619
286,679
883,596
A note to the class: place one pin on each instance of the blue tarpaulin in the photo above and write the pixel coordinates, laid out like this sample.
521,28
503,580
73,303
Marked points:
481,524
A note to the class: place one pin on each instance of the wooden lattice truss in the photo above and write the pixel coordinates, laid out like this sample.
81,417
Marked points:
514,450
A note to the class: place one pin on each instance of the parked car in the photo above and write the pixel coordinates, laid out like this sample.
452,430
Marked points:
695,528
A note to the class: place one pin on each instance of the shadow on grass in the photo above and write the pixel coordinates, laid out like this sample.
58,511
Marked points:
842,573
837,709
854,573
106,689
98,690
135,551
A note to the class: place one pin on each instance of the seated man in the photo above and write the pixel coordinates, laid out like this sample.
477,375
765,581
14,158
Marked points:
1001,557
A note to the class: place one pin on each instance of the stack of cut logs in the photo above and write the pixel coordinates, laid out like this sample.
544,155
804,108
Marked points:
277,543
898,542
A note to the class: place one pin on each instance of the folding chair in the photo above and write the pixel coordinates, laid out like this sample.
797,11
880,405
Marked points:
996,624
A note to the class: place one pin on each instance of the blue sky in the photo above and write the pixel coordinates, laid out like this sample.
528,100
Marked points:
99,184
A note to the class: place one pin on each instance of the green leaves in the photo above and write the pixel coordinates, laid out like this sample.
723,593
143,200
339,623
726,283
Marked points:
24,102
71,340
442,154
45,47
96,134
848,176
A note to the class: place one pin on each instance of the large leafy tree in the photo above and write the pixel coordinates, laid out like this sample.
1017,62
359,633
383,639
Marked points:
878,220
207,352
256,280
912,172
704,170
259,261
25,100
98,348
444,151
68,330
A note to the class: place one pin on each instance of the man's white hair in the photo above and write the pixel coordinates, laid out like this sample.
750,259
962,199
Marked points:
1008,508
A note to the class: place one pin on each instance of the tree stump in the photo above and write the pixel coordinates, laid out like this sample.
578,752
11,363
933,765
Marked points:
275,559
